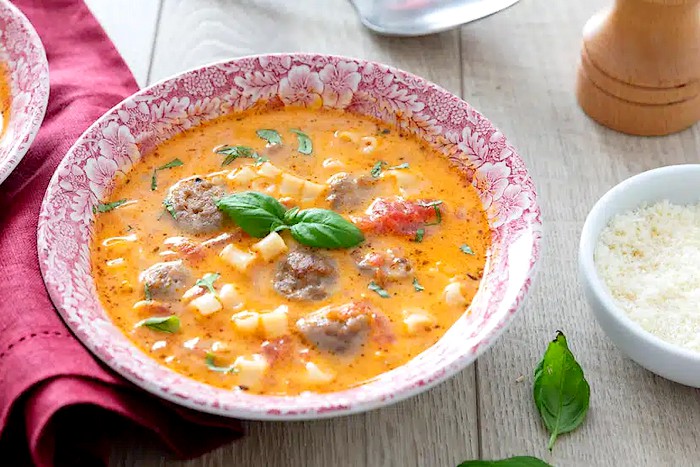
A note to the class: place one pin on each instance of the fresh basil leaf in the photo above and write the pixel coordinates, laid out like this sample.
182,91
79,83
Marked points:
466,250
256,213
168,205
420,233
376,171
560,390
399,167
169,324
374,287
106,207
271,136
322,228
235,152
435,205
154,180
417,286
209,360
305,146
154,177
147,292
208,281
517,461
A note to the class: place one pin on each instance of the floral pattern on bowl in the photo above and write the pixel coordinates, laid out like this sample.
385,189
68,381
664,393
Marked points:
138,124
24,57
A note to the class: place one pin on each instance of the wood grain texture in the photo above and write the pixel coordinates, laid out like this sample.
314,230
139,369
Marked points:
436,428
131,24
519,70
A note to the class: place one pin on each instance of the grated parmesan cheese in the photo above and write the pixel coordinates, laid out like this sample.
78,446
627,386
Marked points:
650,260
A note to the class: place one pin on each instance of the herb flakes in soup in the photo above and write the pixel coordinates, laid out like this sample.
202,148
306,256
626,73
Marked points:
288,260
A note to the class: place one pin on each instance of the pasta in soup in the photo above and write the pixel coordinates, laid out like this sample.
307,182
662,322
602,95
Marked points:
289,250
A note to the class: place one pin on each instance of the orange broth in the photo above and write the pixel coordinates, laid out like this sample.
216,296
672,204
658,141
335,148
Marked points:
417,312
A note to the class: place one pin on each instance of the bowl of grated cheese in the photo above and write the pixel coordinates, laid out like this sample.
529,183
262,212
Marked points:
639,263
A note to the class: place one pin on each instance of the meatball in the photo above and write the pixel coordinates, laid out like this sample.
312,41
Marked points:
347,192
165,281
306,275
191,202
338,330
388,266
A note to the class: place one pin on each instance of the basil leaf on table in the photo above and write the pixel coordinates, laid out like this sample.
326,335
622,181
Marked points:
517,461
560,390
305,146
271,136
169,324
256,213
322,228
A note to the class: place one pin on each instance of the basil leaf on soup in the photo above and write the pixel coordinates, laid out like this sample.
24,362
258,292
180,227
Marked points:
305,146
106,207
236,152
168,205
466,249
154,177
399,167
374,287
271,136
517,461
208,281
322,228
169,324
560,390
209,361
376,171
256,213
416,285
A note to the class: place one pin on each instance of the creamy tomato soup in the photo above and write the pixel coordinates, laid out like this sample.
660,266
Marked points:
5,99
283,251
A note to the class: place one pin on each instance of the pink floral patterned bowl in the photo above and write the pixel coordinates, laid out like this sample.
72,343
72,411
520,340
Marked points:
27,70
134,127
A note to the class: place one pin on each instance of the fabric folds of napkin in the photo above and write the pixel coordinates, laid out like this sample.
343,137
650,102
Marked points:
58,405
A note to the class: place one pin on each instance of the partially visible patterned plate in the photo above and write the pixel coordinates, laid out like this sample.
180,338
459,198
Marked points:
24,60
133,128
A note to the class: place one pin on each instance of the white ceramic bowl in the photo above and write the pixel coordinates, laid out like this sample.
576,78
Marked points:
134,127
679,184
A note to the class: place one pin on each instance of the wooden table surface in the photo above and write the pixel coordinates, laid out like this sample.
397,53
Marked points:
518,68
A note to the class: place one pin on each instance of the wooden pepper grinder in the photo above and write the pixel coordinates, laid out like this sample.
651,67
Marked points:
640,66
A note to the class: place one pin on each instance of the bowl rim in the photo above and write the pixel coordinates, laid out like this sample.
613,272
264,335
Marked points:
29,131
588,270
449,369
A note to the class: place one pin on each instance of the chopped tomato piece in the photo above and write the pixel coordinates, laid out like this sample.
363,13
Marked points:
398,216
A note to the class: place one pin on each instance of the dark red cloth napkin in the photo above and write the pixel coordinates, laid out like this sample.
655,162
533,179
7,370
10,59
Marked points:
57,403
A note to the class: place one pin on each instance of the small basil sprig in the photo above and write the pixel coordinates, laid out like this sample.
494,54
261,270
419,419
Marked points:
170,165
106,207
236,152
169,324
560,390
271,136
208,281
256,213
259,214
466,249
209,361
517,461
305,146
374,287
322,227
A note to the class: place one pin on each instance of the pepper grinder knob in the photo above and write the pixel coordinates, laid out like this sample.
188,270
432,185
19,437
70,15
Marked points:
640,66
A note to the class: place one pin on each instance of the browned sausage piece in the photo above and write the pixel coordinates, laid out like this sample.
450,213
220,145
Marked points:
306,274
167,280
191,203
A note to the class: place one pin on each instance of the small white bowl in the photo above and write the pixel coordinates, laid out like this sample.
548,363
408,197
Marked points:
679,184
